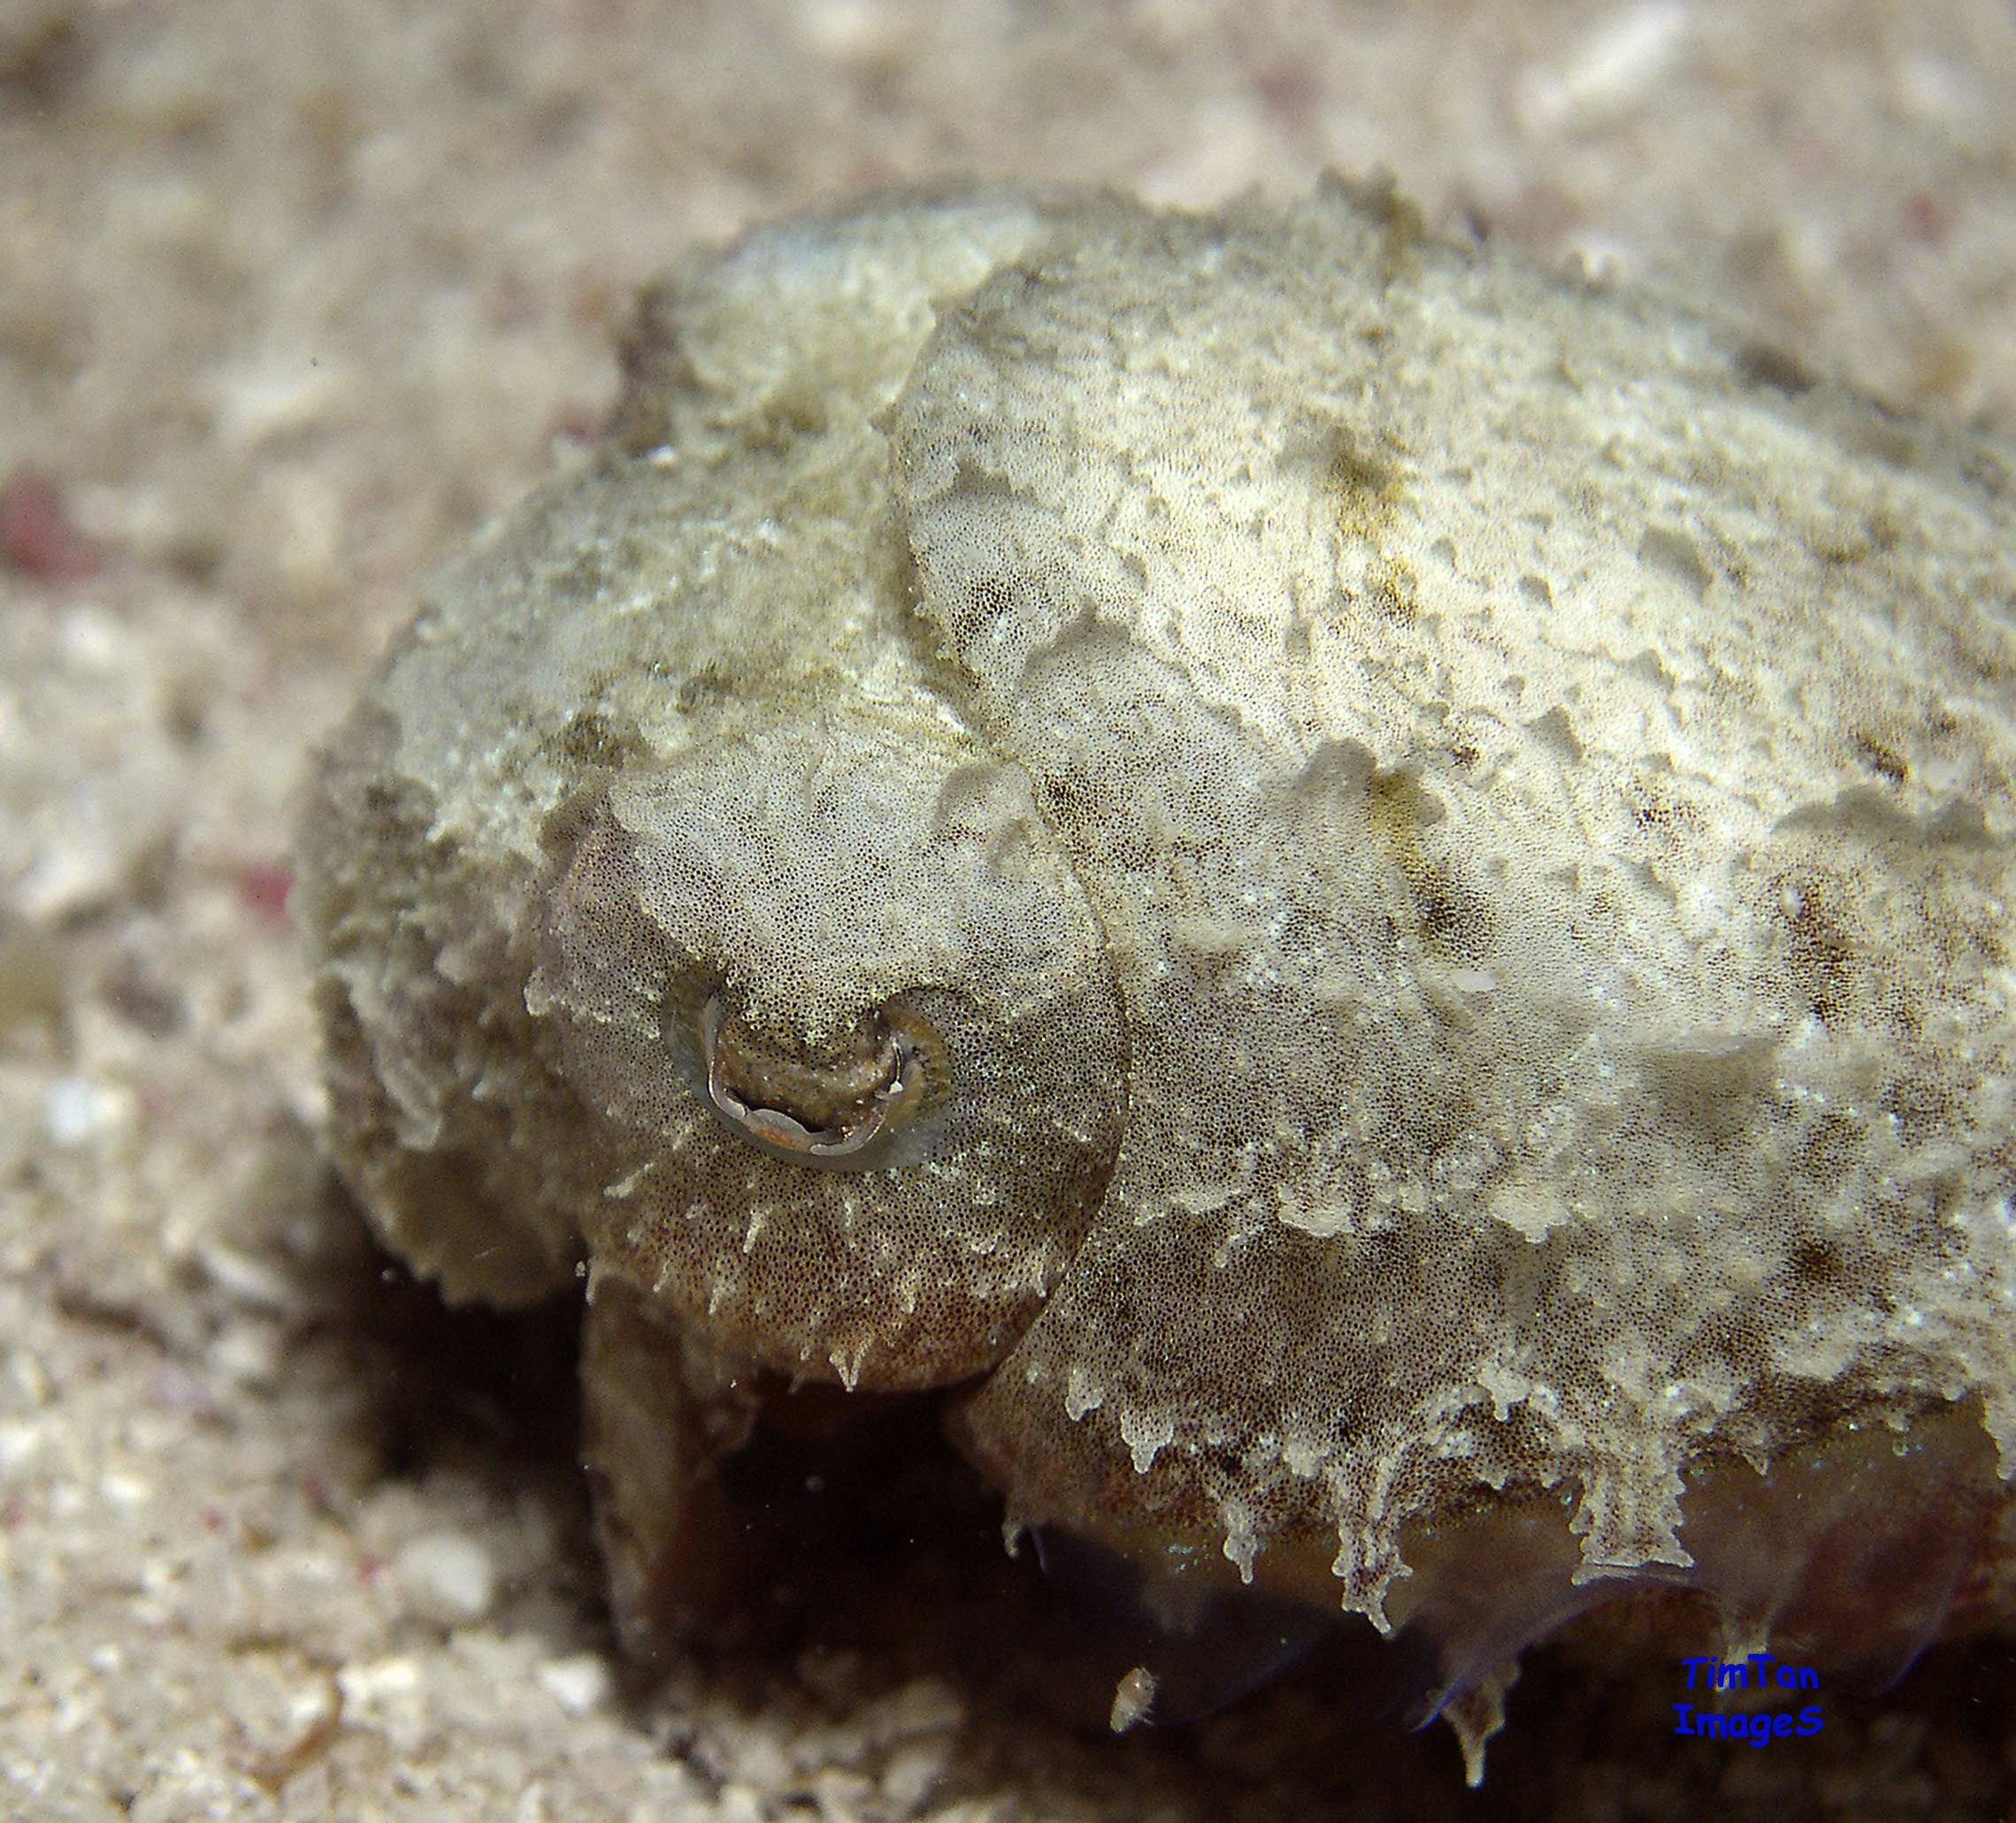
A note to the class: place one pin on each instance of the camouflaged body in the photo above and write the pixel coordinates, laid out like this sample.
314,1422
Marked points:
1445,838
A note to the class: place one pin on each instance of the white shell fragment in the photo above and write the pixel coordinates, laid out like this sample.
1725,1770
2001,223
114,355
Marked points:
1377,883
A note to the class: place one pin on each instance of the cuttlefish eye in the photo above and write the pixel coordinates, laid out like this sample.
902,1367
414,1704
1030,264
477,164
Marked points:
843,1113
846,1023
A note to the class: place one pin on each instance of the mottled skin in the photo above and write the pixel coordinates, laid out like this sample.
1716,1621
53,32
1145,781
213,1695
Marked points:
1371,887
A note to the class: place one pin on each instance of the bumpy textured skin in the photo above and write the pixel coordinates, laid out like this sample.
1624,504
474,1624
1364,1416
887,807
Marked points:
1451,833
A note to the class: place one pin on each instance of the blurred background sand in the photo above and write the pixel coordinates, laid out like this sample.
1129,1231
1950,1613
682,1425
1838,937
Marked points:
294,296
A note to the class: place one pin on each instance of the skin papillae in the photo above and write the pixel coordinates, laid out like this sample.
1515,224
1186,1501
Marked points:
1363,890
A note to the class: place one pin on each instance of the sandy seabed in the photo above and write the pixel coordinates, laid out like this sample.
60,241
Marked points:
294,296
